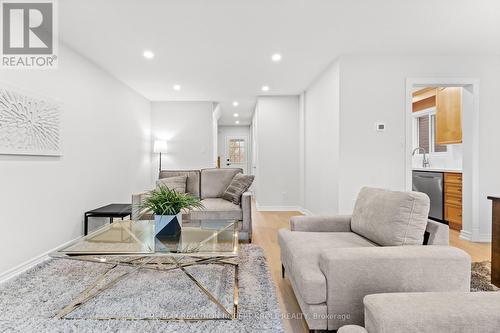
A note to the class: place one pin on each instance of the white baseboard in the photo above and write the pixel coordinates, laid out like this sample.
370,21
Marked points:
465,235
485,238
30,263
262,208
305,211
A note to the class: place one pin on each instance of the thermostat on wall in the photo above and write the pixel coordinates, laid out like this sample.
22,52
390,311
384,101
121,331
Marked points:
380,127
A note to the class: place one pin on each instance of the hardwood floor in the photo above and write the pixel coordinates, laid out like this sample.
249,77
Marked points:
477,251
265,228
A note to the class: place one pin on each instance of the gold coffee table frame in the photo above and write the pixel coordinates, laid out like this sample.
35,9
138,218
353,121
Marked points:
138,251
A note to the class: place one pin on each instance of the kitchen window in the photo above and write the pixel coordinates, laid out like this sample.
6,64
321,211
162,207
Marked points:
425,124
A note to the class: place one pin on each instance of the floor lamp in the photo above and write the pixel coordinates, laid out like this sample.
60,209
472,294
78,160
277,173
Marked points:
160,146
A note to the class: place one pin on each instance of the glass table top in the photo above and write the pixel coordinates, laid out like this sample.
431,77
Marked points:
195,237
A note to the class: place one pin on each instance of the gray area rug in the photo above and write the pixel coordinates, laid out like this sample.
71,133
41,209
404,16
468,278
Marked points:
481,277
29,302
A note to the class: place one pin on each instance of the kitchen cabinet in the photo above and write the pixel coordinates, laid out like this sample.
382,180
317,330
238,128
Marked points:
449,115
424,99
453,200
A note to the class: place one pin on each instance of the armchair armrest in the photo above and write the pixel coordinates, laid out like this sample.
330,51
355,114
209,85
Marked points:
433,312
334,223
352,329
439,233
246,206
353,273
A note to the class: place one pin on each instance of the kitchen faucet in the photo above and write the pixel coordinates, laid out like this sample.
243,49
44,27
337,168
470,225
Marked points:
425,160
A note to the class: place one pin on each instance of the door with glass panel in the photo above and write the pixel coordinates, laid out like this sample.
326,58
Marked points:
236,155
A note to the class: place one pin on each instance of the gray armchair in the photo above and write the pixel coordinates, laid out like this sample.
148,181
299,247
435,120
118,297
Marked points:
333,262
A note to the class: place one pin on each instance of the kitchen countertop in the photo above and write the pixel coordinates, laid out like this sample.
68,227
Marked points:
437,170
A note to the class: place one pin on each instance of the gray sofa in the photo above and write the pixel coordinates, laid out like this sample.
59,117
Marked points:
209,185
333,262
430,313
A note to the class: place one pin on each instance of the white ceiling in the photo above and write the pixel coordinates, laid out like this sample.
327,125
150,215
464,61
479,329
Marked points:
219,50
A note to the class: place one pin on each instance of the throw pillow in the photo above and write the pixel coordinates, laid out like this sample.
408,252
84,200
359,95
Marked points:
237,187
177,183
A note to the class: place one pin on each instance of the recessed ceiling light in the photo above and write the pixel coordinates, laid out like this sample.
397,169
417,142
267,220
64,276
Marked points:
235,103
237,122
177,87
276,57
265,88
236,115
148,54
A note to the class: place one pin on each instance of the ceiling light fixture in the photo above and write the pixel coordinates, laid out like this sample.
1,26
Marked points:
177,87
265,88
276,57
148,54
237,122
235,103
236,115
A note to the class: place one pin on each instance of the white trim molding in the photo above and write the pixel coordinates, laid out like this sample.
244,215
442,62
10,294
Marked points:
305,211
465,235
300,209
31,263
278,208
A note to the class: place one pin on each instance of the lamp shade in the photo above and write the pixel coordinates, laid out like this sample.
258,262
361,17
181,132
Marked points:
160,146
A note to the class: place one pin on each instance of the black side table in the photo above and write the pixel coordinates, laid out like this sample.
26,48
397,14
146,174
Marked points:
111,211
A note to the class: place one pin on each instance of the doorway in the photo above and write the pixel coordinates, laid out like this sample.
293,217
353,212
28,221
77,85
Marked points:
236,153
234,147
469,228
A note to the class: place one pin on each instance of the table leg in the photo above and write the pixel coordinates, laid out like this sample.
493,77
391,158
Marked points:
86,225
495,245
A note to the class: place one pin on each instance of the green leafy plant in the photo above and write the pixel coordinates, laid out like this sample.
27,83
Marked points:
164,201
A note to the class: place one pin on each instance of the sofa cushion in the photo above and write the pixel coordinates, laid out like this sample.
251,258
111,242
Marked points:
237,187
192,181
217,208
173,183
301,250
215,181
391,218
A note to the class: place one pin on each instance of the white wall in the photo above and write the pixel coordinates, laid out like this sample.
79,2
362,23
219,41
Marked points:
106,157
188,129
373,89
224,132
277,143
216,114
321,143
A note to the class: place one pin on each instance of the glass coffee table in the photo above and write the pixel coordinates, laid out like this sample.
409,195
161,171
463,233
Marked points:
134,244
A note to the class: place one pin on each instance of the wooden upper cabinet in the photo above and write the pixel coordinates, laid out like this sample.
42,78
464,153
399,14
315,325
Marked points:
449,115
424,99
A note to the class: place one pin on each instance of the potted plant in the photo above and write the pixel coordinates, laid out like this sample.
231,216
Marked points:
166,205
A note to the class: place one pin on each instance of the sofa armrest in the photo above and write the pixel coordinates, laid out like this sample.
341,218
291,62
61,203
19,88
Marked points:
352,329
353,273
246,206
136,201
334,223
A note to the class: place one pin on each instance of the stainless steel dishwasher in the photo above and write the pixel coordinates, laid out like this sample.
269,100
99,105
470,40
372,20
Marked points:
431,183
